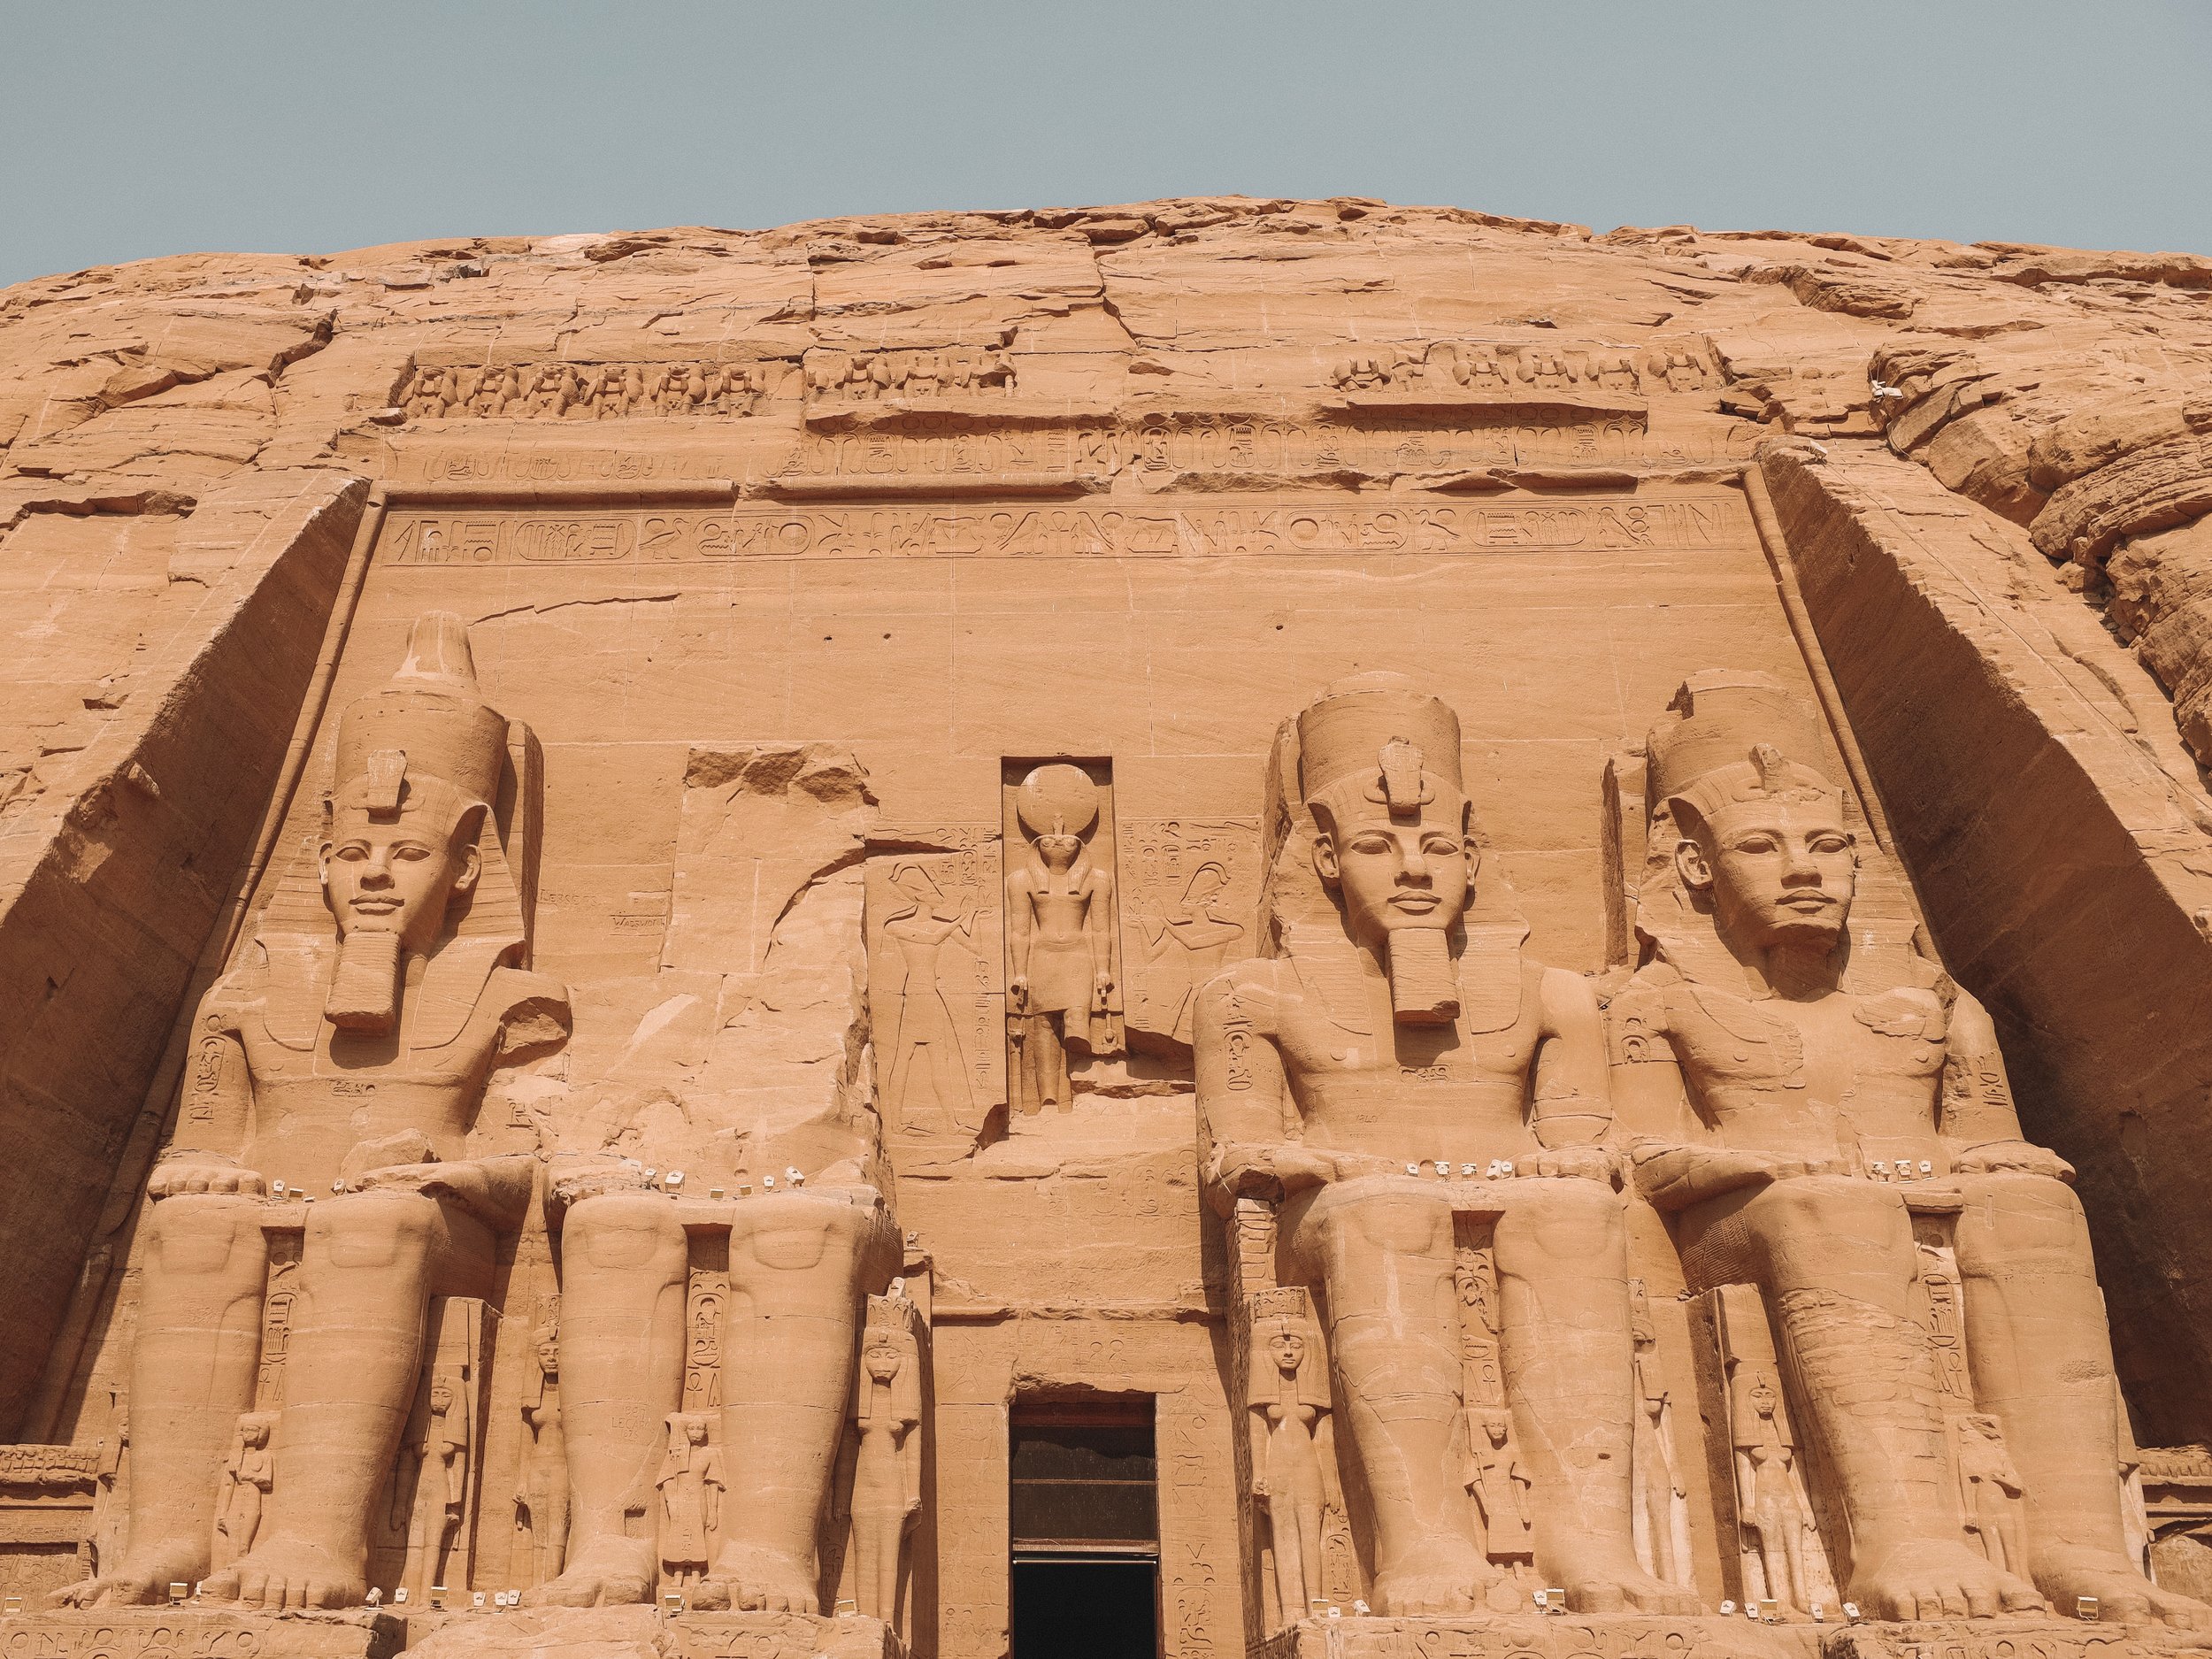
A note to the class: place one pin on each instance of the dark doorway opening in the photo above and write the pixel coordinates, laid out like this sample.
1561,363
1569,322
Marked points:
1085,1609
1084,1503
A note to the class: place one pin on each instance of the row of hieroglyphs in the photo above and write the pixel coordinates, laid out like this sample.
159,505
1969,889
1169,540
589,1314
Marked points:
920,444
541,389
1251,528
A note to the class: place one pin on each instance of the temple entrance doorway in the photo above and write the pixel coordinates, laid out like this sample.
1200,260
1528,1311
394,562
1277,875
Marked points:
1084,1509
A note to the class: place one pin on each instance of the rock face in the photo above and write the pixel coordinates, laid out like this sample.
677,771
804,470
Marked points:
1234,922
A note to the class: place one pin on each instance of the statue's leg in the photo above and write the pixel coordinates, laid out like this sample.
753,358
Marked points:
1562,1255
206,1267
1836,1260
371,1263
1381,1250
801,1264
2042,1364
624,1266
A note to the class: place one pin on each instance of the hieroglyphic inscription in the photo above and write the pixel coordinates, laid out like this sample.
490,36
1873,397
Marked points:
1253,528
196,1632
1713,1637
585,391
1197,1626
936,986
919,444
1191,907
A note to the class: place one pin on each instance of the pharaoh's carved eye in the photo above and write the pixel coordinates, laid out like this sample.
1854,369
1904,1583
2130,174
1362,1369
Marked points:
1439,845
1369,844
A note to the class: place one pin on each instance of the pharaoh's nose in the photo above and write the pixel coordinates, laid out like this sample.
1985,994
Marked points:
1416,865
378,870
1801,868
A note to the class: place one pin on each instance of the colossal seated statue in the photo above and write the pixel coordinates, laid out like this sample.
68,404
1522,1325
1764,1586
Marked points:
344,1057
1852,1123
1390,1035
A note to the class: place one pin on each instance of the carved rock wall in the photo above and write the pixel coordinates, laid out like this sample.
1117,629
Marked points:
796,548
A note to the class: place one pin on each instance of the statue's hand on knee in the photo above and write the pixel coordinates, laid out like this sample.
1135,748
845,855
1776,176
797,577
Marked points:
575,1176
183,1171
2018,1157
496,1190
1587,1164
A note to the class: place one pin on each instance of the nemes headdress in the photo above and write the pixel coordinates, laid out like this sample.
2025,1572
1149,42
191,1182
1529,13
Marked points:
1376,740
1728,737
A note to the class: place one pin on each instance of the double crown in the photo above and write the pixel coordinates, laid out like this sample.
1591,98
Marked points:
1376,740
1728,737
430,726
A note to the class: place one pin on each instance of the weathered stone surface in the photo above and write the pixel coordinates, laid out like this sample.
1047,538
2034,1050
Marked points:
823,851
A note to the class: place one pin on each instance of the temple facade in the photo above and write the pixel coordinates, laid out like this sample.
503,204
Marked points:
1291,929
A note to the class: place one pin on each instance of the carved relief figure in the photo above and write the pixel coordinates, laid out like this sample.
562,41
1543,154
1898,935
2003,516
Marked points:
1294,1450
886,1467
926,1077
249,1474
690,1484
543,1502
1662,1503
1771,1507
1186,947
1059,941
1500,1485
1992,1492
1807,1067
439,1451
1403,1023
351,1044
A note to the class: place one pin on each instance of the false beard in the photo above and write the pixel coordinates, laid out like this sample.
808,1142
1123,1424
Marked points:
1424,980
364,991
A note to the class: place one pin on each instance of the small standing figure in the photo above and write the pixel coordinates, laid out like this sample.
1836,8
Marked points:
886,1468
544,1501
1769,1500
691,1486
927,1078
249,1476
1993,1493
1059,933
1500,1486
1294,1451
443,1466
1662,1518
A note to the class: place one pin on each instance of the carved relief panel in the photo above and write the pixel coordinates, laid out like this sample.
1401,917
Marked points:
1191,908
935,983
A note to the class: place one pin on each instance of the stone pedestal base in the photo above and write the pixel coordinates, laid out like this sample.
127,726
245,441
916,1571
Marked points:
1570,1636
199,1633
635,1632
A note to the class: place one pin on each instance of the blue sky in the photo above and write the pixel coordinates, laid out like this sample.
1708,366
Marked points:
130,129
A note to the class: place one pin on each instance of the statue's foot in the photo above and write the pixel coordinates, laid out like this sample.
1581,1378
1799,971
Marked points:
135,1581
2124,1594
1436,1578
289,1574
757,1579
1926,1578
1613,1582
606,1572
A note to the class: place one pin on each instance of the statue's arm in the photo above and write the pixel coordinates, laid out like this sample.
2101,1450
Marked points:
1242,1093
1979,1116
1020,925
1095,919
1573,1094
208,1151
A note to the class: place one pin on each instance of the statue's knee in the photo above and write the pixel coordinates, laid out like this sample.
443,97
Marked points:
793,1232
1402,1223
621,1230
2014,1213
1579,1220
372,1229
201,1232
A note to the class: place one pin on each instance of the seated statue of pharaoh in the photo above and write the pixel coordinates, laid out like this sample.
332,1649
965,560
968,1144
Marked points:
345,1054
1844,1094
1397,1030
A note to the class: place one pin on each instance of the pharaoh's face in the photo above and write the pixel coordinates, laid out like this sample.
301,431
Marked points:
1399,872
1762,1400
1496,1428
256,1434
1287,1350
1780,871
441,1397
695,1433
397,875
883,1363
